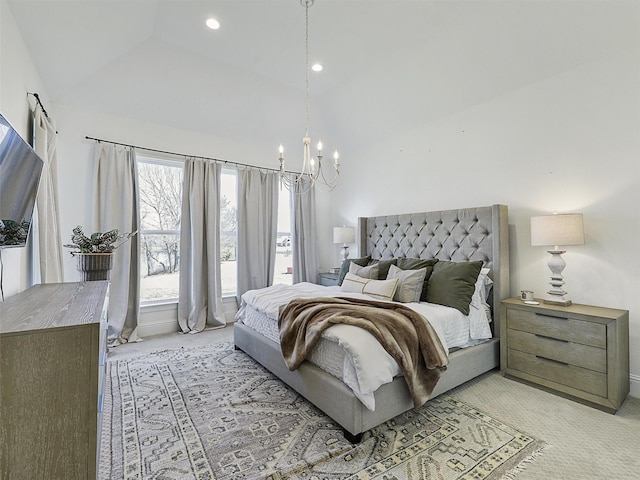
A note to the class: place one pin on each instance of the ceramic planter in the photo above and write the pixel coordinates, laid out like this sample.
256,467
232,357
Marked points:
94,266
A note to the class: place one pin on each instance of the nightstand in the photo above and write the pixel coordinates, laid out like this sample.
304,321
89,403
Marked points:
580,351
328,279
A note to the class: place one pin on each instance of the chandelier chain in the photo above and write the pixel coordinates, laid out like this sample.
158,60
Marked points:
306,69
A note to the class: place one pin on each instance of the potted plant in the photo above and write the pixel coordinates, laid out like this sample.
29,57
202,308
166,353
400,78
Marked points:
95,253
13,233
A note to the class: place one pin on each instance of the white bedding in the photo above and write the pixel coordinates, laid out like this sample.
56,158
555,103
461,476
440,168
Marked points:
360,361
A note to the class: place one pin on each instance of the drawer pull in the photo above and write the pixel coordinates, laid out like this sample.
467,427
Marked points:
551,360
552,338
558,317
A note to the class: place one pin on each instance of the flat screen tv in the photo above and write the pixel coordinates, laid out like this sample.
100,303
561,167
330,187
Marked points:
20,171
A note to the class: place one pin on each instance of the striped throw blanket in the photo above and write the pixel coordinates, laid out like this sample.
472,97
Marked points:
405,334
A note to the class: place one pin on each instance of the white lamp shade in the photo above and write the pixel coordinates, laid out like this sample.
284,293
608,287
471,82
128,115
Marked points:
344,235
564,229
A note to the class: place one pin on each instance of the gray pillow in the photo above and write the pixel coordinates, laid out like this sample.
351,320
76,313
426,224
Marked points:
415,264
370,271
452,284
383,267
409,283
345,266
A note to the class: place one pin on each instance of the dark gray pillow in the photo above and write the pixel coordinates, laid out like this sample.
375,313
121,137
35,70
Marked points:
452,284
417,264
344,268
383,267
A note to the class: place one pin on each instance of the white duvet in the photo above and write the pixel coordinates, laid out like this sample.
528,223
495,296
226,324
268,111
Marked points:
366,365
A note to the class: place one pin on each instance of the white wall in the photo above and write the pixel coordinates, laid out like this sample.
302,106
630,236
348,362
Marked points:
569,143
18,75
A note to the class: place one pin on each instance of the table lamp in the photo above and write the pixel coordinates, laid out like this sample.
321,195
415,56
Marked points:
344,235
557,230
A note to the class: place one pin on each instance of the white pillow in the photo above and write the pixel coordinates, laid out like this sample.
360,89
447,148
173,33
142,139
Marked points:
410,283
352,283
370,271
479,309
482,288
382,289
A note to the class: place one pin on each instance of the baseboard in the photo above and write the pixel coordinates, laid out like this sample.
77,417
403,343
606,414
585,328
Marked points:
152,329
160,319
634,384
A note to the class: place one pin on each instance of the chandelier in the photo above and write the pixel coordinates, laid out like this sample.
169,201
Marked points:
312,171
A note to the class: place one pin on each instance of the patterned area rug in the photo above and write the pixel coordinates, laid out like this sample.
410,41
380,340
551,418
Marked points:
214,413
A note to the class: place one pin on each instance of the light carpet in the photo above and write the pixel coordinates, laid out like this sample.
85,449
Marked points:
213,413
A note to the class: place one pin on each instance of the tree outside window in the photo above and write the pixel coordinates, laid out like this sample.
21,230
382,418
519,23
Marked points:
160,184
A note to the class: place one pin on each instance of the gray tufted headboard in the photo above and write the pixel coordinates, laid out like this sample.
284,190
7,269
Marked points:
468,234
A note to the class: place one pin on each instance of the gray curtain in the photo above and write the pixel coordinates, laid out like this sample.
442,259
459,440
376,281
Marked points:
200,297
257,228
49,249
303,237
117,206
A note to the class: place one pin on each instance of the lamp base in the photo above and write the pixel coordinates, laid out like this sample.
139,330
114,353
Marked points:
345,253
557,294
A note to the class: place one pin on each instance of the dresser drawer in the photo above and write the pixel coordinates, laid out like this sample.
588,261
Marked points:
559,327
576,377
584,356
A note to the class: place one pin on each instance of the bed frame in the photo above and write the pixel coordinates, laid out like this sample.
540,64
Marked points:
458,235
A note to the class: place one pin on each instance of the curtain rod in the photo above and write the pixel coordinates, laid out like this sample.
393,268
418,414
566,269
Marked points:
226,162
37,97
39,103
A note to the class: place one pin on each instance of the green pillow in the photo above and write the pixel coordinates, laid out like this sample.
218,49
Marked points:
417,264
383,267
344,268
452,284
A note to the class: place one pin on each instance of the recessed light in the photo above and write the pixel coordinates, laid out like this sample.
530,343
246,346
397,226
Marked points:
317,67
213,24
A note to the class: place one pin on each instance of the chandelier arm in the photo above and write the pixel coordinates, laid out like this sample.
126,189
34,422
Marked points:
334,180
331,184
293,183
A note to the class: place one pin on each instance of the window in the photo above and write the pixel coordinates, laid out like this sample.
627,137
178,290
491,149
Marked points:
228,232
229,235
160,209
284,259
160,206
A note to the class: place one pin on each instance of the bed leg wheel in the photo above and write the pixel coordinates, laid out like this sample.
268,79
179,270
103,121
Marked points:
353,439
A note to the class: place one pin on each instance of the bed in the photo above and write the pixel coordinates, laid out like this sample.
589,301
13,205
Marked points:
462,235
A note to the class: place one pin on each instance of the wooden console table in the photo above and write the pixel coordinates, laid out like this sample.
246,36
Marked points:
52,361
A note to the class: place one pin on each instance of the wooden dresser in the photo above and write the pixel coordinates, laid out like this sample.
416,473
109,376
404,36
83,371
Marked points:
579,351
52,372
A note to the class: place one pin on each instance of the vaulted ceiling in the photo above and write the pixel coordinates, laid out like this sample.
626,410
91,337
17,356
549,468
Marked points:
389,65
